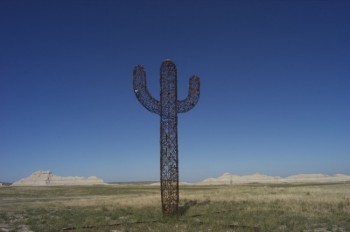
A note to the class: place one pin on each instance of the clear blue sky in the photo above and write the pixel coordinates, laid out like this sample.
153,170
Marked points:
275,87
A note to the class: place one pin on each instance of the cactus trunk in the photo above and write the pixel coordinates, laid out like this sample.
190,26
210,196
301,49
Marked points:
169,165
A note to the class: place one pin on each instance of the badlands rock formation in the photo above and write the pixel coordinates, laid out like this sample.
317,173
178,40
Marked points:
228,178
319,178
46,178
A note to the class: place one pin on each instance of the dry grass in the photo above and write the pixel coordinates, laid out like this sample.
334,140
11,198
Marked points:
257,207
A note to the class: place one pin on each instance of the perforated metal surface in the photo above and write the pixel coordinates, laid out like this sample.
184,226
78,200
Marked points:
167,108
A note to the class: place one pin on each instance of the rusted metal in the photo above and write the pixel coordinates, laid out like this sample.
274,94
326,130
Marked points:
167,108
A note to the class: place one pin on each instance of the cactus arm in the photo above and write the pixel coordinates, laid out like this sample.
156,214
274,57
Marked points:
192,98
141,91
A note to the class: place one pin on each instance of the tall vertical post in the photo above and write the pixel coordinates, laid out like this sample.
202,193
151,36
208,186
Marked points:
167,108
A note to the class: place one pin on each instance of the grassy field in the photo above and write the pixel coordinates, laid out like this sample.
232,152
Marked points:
309,207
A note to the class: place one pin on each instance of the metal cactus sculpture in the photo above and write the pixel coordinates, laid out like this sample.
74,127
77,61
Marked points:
167,108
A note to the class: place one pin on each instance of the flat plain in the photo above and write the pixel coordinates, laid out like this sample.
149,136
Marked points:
117,208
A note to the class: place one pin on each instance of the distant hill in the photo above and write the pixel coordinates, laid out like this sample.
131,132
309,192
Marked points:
132,182
47,178
5,183
228,178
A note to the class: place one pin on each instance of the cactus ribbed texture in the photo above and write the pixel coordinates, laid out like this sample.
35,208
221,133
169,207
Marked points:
167,108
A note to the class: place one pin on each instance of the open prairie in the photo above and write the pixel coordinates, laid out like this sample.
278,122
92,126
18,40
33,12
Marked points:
253,207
